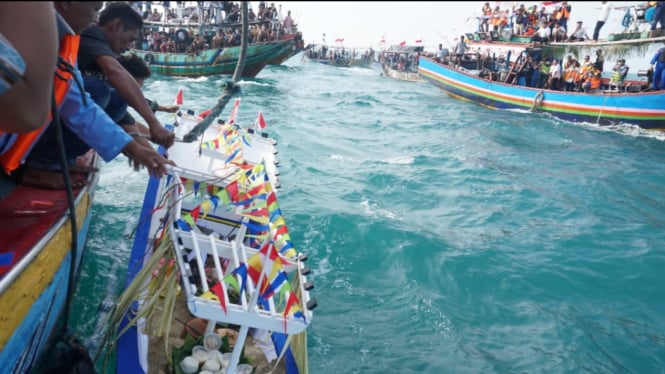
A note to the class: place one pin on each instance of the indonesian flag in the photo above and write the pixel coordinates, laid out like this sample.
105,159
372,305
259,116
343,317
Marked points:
419,41
383,39
402,43
178,98
339,40
260,121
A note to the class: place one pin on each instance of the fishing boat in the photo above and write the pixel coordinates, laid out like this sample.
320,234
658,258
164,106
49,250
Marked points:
639,107
219,61
191,51
401,62
339,56
213,243
42,248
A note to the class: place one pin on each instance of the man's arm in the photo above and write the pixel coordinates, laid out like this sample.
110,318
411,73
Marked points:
92,125
30,28
127,87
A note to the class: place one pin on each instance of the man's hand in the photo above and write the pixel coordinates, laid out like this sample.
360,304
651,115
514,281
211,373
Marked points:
160,135
168,108
146,156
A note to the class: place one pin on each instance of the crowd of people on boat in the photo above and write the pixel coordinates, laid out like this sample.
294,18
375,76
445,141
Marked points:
340,55
553,73
547,26
173,34
89,94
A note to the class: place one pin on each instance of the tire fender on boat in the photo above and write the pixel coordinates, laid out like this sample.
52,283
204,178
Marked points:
537,101
181,35
149,58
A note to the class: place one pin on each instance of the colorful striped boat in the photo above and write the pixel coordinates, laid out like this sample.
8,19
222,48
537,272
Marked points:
645,109
38,266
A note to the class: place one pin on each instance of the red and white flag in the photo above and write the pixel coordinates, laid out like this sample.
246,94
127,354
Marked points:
234,112
178,98
419,41
402,43
260,121
339,40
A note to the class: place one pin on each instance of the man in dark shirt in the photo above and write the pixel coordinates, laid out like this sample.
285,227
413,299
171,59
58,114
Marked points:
105,79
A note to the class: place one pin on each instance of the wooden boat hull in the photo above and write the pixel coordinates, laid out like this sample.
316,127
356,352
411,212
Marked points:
643,109
220,61
36,230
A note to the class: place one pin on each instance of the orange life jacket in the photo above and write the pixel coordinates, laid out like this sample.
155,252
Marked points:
12,158
595,82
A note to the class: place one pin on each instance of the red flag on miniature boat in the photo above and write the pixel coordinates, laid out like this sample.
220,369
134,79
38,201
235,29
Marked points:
178,98
234,112
219,292
260,121
339,40
205,113
402,43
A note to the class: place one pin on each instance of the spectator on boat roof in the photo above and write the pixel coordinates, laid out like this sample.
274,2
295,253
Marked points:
579,34
658,17
28,52
108,83
658,63
602,18
485,18
86,124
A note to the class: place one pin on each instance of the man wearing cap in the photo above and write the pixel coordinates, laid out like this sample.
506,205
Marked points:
579,34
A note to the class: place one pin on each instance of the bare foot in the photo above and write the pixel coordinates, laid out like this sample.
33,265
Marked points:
50,179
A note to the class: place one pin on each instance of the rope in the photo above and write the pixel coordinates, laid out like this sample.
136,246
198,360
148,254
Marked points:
231,87
72,208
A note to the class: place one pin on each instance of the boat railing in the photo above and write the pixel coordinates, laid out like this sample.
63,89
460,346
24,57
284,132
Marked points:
237,268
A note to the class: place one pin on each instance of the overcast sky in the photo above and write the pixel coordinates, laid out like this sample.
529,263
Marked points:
363,24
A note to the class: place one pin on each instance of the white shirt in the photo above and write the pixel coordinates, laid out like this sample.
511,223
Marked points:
604,12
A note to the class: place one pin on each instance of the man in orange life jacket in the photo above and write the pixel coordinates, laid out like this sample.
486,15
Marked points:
86,123
27,56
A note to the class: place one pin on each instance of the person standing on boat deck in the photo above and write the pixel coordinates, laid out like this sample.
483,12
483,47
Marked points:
86,124
108,83
460,48
555,75
599,64
602,18
485,18
28,52
288,22
658,17
658,61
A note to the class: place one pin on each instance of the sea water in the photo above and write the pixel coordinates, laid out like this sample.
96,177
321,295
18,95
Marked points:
444,237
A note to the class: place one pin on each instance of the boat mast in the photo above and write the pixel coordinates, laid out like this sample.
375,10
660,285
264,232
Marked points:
231,86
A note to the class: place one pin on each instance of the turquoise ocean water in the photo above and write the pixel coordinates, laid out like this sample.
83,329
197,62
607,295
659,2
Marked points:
443,237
